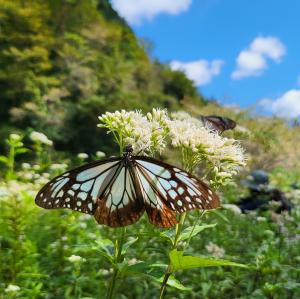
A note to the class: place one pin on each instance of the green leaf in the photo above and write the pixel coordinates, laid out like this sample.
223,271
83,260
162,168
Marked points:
180,262
21,150
220,214
173,282
128,244
189,231
105,246
167,235
3,159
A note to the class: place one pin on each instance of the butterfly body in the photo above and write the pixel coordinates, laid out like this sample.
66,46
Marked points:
117,191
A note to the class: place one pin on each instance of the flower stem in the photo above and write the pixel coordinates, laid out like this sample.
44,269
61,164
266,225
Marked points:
200,215
174,246
118,256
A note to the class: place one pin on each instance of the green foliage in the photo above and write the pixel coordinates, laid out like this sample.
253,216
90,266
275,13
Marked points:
180,262
63,63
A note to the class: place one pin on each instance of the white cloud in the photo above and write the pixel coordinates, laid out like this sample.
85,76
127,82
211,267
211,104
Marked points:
200,71
253,60
135,11
288,105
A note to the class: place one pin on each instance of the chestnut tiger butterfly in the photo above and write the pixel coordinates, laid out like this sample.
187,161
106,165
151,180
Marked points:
118,190
218,123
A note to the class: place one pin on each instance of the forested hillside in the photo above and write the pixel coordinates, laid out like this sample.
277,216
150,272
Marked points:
63,63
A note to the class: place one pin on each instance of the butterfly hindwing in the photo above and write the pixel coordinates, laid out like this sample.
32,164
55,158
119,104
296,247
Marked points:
121,204
158,212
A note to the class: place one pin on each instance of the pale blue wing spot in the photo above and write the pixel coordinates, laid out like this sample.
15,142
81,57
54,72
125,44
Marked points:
87,186
156,169
94,171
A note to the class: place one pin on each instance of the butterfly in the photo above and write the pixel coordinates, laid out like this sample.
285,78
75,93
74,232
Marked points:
218,123
117,191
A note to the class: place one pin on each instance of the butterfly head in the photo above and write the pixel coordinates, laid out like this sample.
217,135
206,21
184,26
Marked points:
128,150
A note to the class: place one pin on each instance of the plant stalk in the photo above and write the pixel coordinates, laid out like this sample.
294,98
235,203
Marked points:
118,256
174,246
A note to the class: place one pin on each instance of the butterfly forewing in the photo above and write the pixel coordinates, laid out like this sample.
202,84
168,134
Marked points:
170,189
79,188
218,123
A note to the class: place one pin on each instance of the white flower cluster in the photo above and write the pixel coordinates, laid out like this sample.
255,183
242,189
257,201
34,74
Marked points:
11,288
234,208
100,154
224,155
151,133
76,259
82,156
15,137
146,134
40,138
17,190
215,250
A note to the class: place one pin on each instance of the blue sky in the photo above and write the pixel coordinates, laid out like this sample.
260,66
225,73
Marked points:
237,51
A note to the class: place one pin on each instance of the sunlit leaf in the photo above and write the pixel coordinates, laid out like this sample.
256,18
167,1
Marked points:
180,262
21,150
220,215
3,159
128,244
193,231
173,282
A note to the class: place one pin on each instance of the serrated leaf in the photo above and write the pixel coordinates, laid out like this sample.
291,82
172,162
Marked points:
128,244
180,262
193,231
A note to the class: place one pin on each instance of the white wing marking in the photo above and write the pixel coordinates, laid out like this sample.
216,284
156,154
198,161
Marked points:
94,171
156,169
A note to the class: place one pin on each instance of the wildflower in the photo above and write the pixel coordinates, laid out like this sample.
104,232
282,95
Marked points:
36,167
146,134
26,166
28,175
36,176
84,217
76,259
82,225
58,166
215,250
261,219
82,156
4,192
12,288
100,154
40,138
15,137
104,272
133,261
46,175
234,208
